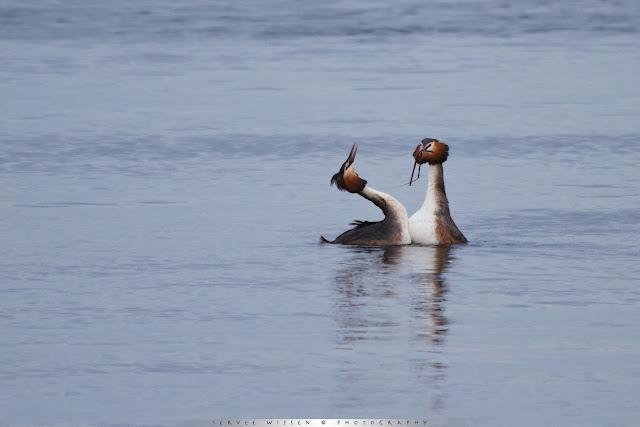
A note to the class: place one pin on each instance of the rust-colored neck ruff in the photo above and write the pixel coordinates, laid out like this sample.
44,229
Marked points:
433,153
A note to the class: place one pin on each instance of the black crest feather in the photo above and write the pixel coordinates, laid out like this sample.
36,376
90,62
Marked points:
338,180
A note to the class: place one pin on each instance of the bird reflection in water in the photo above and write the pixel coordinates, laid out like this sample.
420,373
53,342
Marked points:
391,309
429,303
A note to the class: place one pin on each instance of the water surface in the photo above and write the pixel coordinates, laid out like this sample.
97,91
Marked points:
165,169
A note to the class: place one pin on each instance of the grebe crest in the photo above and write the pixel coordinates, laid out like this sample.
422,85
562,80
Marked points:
347,179
431,151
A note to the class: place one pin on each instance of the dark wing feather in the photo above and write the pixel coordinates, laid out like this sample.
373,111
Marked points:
365,233
360,224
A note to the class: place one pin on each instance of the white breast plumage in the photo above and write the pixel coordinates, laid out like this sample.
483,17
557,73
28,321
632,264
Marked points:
422,228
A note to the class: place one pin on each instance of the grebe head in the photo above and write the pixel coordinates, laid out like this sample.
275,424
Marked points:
347,179
431,151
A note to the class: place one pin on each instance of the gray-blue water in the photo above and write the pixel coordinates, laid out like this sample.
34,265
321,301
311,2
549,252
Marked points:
164,179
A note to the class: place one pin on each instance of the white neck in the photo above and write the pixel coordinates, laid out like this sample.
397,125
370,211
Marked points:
432,224
389,205
436,200
375,196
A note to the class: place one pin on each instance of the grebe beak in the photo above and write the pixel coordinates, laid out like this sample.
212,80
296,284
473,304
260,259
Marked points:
352,155
423,147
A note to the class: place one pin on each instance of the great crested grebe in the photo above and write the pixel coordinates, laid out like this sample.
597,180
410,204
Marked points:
432,224
392,230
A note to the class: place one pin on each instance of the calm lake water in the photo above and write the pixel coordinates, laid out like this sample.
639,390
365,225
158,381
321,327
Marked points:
164,175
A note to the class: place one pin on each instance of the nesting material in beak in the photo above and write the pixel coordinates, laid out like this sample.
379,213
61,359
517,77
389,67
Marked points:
417,155
429,151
